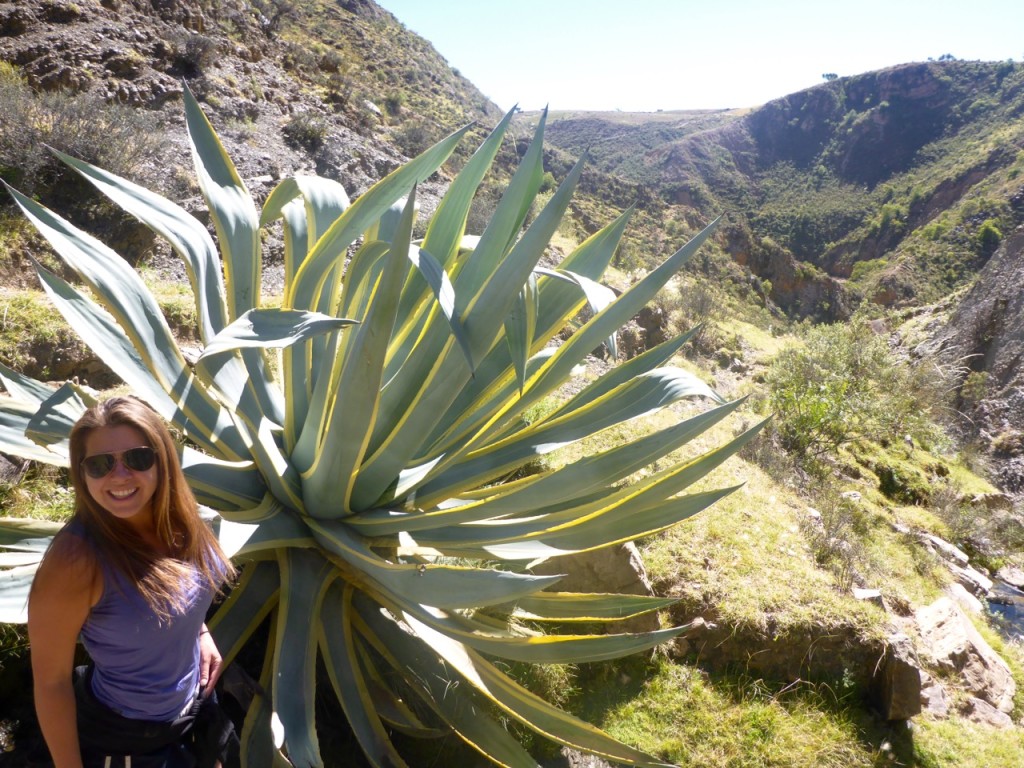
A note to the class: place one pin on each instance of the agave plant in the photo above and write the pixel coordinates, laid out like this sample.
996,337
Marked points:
355,443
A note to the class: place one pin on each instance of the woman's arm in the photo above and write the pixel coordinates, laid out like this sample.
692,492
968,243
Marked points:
65,588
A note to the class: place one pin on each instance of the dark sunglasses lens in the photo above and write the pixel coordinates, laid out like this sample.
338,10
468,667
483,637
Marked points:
135,459
98,466
139,459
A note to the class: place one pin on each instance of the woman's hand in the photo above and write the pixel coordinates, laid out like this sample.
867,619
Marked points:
209,661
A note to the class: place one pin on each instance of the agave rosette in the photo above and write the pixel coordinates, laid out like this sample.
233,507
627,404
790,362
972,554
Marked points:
363,490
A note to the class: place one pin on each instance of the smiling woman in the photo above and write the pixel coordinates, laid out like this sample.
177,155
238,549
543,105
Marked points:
133,573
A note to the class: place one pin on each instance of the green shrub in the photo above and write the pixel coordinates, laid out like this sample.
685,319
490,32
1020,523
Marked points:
835,536
846,384
903,483
988,237
306,131
394,102
864,268
972,391
699,307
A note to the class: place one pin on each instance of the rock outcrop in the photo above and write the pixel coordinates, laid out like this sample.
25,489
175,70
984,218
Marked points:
986,332
951,644
898,683
803,289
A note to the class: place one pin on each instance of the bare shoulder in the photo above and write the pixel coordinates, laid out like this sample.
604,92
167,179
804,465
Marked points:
68,567
67,585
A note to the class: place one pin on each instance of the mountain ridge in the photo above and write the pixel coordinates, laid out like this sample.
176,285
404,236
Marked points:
847,175
870,153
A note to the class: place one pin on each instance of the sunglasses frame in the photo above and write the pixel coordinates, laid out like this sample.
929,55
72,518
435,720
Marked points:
120,457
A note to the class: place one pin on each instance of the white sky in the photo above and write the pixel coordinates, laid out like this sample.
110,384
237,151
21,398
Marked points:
645,55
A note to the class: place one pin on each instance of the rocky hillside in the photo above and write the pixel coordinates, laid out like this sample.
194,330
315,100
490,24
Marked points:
337,88
986,331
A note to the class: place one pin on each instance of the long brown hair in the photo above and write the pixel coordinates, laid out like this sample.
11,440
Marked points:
161,580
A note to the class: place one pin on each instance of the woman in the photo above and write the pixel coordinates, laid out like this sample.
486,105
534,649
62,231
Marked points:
133,574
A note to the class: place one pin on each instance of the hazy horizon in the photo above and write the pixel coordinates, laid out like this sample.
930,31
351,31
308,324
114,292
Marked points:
668,55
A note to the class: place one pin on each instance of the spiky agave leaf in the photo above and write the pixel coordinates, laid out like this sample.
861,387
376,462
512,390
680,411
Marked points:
364,494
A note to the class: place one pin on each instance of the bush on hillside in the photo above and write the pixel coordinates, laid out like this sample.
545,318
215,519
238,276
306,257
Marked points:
194,53
846,384
414,136
988,237
698,305
305,131
116,137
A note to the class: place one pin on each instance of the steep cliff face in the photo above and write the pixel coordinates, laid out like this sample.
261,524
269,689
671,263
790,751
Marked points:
986,333
866,128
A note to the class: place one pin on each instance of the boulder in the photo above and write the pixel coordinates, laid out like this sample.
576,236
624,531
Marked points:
973,580
873,596
992,501
947,551
934,699
11,471
980,711
898,686
1011,575
964,598
950,642
610,569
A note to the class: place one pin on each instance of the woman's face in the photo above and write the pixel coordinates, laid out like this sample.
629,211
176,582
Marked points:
125,493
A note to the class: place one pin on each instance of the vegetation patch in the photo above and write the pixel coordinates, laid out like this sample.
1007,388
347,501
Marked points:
956,743
844,385
690,718
36,339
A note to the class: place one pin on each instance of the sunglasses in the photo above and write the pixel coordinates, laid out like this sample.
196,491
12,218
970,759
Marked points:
136,459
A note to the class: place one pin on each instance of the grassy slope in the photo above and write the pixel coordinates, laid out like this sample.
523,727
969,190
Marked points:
752,564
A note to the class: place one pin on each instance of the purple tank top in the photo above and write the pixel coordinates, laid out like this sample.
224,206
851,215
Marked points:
144,668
